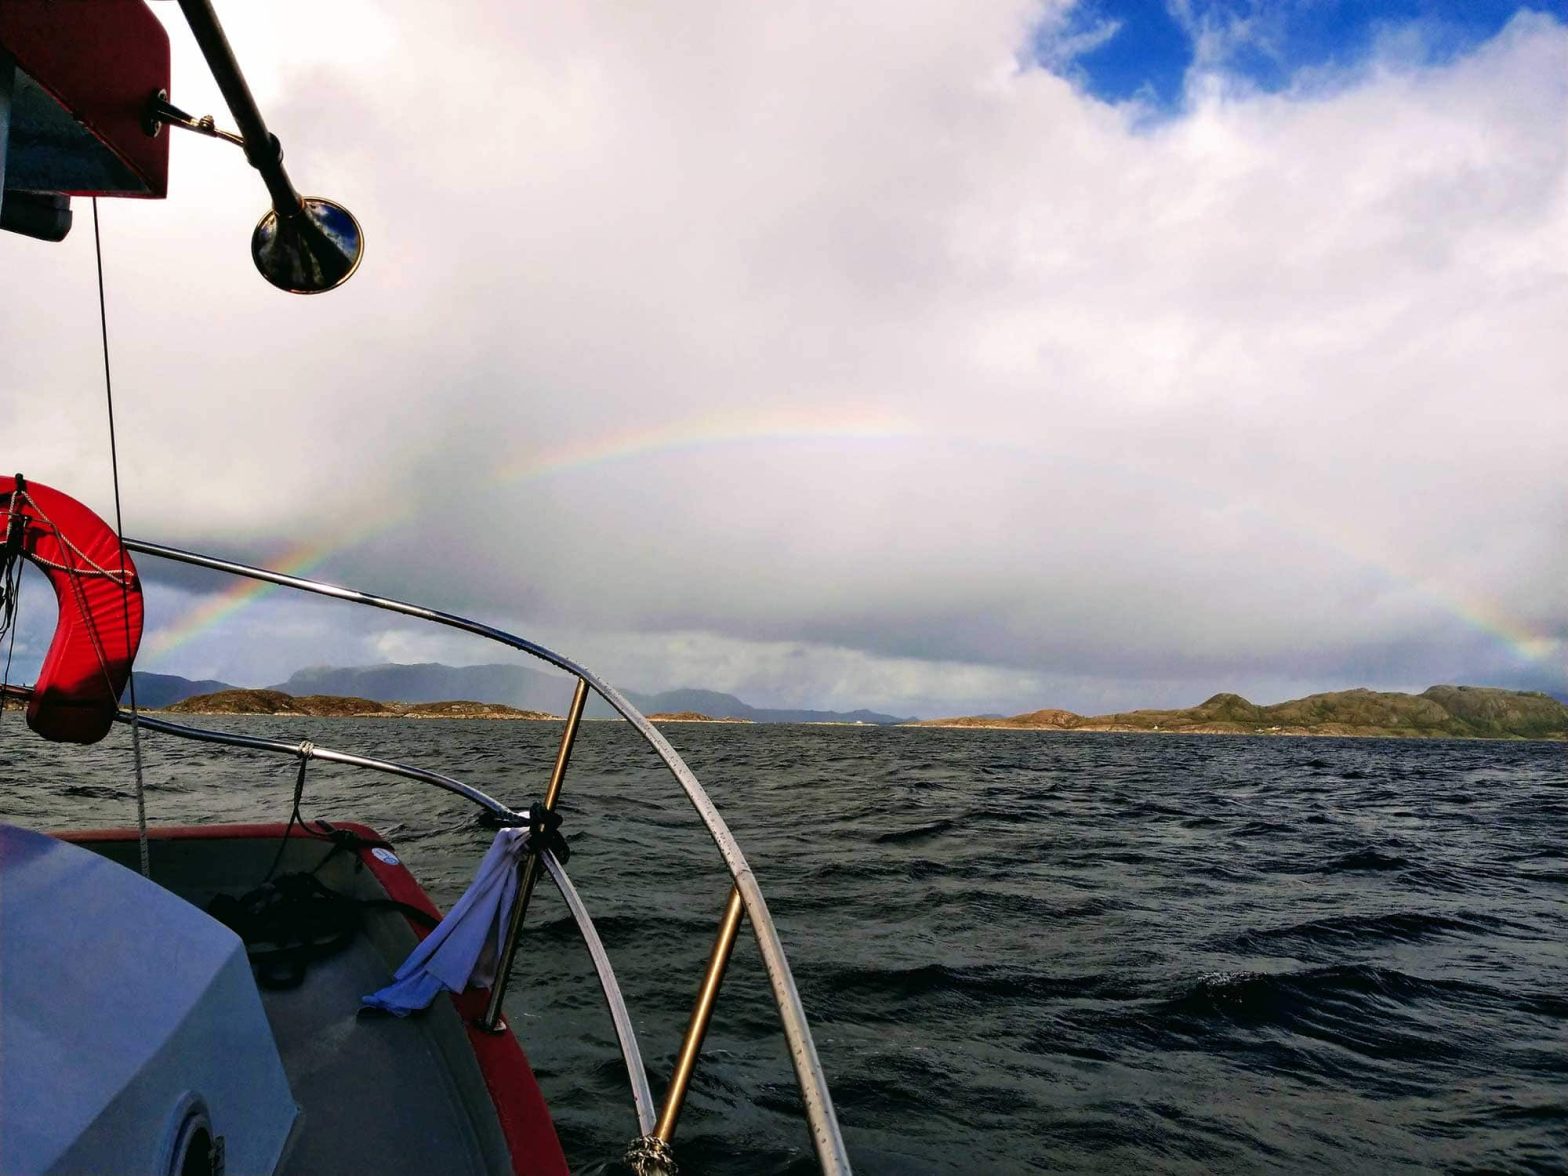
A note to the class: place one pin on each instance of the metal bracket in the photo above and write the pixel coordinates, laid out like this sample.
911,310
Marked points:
161,113
539,815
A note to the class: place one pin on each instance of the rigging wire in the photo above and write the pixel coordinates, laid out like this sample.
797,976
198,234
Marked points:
119,531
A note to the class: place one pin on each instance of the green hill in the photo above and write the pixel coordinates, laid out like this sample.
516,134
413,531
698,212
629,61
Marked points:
1442,712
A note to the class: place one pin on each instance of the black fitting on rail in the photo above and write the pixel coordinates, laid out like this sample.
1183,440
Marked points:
544,832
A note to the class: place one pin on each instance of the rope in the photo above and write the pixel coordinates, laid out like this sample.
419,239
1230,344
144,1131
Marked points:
119,531
41,562
75,575
122,577
651,1156
305,750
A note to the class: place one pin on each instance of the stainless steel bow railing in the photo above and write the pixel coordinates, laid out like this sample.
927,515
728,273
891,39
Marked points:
745,896
642,1097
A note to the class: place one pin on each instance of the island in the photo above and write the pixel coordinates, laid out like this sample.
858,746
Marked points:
690,717
332,706
1441,712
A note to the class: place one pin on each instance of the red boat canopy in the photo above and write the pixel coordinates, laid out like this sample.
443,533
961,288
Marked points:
85,74
100,595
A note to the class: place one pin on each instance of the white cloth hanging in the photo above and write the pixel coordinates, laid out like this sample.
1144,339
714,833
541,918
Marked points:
464,947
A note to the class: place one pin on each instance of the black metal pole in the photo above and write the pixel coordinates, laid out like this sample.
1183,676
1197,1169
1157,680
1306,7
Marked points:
262,149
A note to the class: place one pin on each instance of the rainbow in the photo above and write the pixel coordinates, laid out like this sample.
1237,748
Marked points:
214,610
708,432
720,431
714,432
1480,614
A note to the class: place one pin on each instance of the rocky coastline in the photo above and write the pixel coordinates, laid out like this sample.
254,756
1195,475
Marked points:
332,706
1441,712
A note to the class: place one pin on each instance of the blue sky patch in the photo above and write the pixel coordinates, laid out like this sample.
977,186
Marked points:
1142,50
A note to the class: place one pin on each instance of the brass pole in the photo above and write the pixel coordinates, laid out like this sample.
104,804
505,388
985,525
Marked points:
701,1015
528,868
574,718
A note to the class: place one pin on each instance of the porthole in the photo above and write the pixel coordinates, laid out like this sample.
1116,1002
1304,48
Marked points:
194,1153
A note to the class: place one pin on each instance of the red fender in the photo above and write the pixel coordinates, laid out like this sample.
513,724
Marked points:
100,597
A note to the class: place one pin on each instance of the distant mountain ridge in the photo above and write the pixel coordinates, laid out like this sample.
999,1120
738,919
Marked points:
1439,712
156,691
509,685
727,706
1451,712
537,690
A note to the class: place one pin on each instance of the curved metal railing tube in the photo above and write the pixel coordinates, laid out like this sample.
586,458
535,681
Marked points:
496,809
827,1140
642,1094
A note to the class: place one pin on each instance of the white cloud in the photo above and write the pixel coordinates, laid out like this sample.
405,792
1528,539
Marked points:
1059,42
1264,395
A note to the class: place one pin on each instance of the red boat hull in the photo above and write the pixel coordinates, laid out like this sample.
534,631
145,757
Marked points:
520,1107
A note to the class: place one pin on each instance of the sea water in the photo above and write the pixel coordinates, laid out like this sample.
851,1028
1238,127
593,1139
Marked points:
1019,951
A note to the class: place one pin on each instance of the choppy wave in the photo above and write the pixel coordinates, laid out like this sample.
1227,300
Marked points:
1370,929
1282,997
1020,951
925,832
1367,858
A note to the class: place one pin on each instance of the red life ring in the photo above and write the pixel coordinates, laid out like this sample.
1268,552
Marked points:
100,596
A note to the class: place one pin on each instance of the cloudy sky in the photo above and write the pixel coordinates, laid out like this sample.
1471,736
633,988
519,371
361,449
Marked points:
928,356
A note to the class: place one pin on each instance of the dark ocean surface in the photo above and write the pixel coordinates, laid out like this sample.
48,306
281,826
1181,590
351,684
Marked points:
1019,951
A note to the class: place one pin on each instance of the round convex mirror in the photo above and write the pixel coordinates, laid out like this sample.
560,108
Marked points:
309,253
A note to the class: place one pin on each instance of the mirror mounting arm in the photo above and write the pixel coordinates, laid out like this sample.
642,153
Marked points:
303,246
163,113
